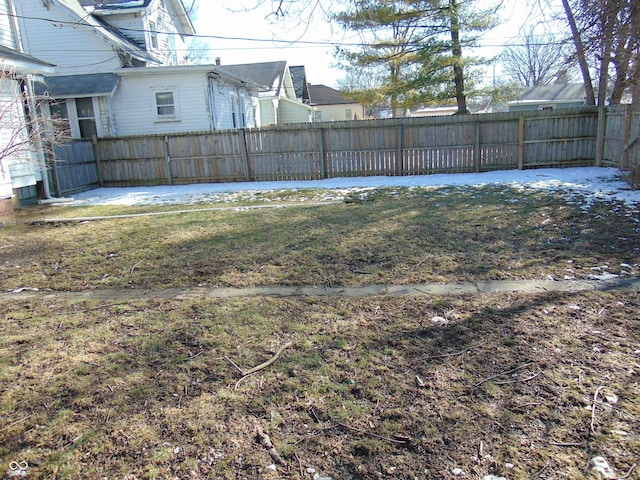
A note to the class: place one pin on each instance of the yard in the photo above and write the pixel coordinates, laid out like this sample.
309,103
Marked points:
513,385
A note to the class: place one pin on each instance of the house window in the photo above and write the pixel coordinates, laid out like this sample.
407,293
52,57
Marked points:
237,118
59,114
348,114
86,117
153,35
165,104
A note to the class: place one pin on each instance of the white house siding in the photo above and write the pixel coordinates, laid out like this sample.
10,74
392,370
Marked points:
225,97
138,29
338,113
74,49
6,29
20,169
268,108
134,103
293,112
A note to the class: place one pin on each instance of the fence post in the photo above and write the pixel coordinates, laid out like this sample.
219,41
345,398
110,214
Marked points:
322,159
167,159
96,159
400,155
476,150
245,155
600,134
520,142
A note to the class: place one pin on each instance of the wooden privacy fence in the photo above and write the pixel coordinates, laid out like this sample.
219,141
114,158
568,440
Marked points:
405,146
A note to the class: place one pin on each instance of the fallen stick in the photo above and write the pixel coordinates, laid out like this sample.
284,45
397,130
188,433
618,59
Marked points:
262,366
593,409
268,362
503,373
265,441
375,435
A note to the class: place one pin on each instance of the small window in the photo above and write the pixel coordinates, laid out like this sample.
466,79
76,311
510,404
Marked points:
165,104
86,117
153,35
59,114
348,114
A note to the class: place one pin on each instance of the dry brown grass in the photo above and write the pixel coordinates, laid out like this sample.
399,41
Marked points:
146,389
371,387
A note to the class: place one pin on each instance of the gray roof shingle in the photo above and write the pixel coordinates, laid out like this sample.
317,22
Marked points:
90,85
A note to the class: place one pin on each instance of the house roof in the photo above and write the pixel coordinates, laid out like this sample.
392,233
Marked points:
115,4
323,95
19,62
299,77
268,74
568,92
179,69
69,86
106,7
107,32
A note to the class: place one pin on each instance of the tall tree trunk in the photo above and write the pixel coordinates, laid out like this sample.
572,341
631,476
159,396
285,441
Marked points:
456,50
582,57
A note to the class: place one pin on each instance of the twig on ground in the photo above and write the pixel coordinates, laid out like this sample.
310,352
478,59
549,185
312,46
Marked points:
134,267
417,265
444,355
265,441
628,474
246,373
15,423
268,362
503,373
566,444
519,379
593,409
234,364
374,435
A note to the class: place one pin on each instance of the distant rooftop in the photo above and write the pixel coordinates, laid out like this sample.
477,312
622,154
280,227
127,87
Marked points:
323,95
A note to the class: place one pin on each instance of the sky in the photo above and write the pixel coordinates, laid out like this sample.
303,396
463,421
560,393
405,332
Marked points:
583,185
227,24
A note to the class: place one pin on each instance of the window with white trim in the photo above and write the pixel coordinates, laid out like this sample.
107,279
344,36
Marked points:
166,108
153,35
348,114
86,117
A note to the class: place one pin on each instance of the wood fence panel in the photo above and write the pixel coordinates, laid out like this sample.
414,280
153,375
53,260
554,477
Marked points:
560,141
498,145
129,161
74,168
204,157
287,154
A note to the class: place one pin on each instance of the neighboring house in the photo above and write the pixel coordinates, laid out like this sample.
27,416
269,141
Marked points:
330,105
21,168
135,101
279,103
82,37
433,111
94,39
549,97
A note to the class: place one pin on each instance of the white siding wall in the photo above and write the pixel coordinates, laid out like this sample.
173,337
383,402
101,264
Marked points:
337,113
134,103
223,97
19,169
293,112
72,48
6,31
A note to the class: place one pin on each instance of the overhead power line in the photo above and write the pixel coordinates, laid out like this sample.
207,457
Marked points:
312,43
